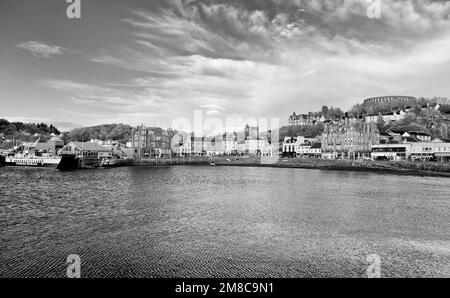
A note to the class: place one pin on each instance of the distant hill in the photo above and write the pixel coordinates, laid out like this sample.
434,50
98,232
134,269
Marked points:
117,132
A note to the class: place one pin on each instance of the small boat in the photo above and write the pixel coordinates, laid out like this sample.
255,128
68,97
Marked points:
115,162
212,163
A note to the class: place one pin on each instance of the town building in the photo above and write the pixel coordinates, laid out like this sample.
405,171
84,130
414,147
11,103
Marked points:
197,146
386,99
149,142
213,146
350,137
183,149
256,142
413,149
441,150
420,135
386,117
315,150
241,147
303,148
393,152
298,146
87,149
230,143
305,119
289,147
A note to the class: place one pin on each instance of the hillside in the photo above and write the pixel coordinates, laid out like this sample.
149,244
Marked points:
117,132
25,131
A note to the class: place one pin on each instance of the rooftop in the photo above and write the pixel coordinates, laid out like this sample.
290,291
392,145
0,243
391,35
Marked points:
56,139
88,146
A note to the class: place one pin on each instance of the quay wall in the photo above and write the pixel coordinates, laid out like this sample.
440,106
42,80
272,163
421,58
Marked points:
404,168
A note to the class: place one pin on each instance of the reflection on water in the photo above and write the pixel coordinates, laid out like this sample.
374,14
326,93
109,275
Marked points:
222,222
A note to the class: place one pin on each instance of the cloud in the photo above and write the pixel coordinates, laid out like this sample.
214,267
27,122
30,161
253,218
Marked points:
40,49
213,107
264,58
71,86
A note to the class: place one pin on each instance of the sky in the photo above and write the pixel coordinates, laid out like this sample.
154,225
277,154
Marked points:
151,62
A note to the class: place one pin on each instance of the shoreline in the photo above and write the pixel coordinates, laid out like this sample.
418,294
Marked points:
398,171
294,163
330,165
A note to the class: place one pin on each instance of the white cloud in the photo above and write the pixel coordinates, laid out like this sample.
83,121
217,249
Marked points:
254,61
40,49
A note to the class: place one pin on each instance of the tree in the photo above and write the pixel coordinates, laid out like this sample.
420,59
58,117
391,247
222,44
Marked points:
325,111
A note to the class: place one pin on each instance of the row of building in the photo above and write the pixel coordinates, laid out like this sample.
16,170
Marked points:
353,138
149,142
349,138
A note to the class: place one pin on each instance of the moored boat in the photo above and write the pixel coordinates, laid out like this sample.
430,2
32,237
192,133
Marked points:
115,162
52,162
35,154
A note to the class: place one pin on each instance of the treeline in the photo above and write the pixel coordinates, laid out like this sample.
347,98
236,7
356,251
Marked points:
26,131
304,130
415,106
117,132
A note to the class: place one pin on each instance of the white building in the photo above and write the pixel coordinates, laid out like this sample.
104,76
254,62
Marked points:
437,149
289,146
303,148
420,135
297,145
394,116
315,150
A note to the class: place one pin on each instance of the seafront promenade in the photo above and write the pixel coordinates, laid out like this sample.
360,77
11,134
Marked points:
402,168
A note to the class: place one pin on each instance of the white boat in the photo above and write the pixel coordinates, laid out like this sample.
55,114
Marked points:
33,155
33,161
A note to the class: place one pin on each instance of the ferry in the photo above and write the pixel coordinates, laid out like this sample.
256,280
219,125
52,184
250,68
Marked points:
32,161
35,154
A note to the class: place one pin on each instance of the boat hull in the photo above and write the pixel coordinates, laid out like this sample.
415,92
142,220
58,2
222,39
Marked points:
72,162
32,162
2,161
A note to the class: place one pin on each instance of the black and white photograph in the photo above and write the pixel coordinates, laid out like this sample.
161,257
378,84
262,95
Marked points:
224,145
